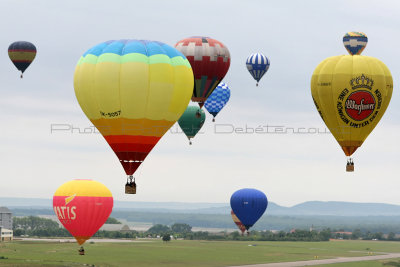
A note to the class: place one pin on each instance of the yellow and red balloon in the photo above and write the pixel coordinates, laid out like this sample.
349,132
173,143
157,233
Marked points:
82,206
133,91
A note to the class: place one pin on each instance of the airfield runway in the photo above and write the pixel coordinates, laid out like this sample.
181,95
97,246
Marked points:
325,261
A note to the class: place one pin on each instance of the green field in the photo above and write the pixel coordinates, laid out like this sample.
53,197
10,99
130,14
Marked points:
186,253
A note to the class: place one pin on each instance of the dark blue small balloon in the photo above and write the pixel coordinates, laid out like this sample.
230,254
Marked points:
249,205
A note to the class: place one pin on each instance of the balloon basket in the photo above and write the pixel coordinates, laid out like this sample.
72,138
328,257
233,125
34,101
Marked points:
350,165
129,189
81,251
349,168
130,186
213,119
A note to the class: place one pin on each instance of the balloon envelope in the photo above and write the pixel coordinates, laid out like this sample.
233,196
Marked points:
82,206
218,99
257,64
133,91
22,54
355,42
191,121
351,94
210,60
249,205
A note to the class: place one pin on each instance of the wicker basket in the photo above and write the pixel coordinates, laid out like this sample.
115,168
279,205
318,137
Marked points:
130,189
349,168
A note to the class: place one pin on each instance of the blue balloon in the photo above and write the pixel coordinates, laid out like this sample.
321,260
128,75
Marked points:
249,205
355,42
257,64
218,99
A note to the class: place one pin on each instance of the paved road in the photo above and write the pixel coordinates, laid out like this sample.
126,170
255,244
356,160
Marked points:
326,261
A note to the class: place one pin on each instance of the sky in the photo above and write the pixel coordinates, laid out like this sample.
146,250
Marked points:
290,168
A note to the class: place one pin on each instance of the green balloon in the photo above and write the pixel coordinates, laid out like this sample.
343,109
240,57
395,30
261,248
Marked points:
191,121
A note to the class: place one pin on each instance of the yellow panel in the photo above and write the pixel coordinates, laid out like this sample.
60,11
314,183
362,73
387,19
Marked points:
84,91
134,93
83,188
106,84
340,81
160,91
325,94
183,80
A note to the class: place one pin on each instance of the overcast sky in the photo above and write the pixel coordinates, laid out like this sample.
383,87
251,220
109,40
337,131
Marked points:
289,168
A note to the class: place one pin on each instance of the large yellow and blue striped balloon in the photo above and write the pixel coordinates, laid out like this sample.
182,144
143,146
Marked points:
133,91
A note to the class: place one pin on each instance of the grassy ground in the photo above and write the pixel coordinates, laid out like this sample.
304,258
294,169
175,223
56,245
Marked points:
186,253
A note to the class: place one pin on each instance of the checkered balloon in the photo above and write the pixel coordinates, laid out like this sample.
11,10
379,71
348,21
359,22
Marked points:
218,99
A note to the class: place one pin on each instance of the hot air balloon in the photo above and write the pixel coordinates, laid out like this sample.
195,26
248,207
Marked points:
257,64
82,207
133,91
351,94
249,205
191,121
238,223
22,54
218,99
355,42
210,60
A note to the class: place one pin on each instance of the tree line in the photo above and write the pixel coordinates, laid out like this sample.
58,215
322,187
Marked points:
42,227
373,224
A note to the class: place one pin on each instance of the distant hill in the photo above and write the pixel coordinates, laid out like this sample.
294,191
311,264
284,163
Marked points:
310,208
342,209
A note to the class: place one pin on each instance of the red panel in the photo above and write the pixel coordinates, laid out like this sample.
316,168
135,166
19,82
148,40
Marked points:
126,147
130,161
132,139
22,50
82,216
130,167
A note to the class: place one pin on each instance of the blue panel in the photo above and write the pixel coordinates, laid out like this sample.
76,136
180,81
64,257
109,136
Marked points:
96,50
134,46
123,47
114,47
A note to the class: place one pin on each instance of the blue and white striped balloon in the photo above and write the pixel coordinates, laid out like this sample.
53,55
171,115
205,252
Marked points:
258,65
218,99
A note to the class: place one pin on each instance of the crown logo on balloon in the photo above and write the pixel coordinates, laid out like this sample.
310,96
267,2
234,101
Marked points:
361,82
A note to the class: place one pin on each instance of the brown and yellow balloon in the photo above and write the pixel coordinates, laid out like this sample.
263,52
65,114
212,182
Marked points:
351,93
